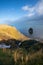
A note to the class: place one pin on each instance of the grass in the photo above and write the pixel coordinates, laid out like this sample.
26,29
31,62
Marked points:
33,55
6,58
20,57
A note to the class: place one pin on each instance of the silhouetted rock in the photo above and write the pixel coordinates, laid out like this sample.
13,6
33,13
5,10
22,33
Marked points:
12,42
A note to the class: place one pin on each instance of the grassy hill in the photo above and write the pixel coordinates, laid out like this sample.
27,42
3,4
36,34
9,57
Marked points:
30,52
9,32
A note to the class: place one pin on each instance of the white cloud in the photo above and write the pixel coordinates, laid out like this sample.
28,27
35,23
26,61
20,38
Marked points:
27,8
30,10
37,9
31,14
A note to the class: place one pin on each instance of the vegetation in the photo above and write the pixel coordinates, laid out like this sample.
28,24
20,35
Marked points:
33,55
8,32
6,58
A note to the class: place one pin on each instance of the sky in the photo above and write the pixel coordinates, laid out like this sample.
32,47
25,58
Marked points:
23,14
11,10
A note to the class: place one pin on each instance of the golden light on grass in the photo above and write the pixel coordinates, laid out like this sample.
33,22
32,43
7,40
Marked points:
9,32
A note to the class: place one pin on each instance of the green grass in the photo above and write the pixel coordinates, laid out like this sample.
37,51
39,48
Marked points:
6,58
20,56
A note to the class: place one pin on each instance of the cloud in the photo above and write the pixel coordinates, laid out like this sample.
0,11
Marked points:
30,14
34,10
27,8
39,7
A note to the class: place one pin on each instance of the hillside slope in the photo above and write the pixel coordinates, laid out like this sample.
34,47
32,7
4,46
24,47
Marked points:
9,32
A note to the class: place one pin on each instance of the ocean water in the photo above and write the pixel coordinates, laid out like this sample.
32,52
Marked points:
36,25
4,46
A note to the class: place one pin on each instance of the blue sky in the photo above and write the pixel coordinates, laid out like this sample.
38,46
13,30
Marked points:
23,14
11,10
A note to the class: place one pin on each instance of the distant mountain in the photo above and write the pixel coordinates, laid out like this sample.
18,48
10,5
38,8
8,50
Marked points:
9,32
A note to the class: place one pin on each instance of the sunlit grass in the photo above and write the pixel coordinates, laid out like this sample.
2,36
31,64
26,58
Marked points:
20,57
